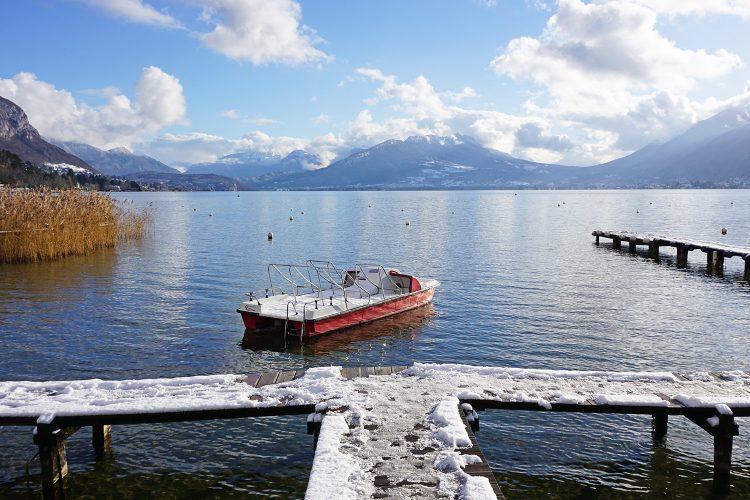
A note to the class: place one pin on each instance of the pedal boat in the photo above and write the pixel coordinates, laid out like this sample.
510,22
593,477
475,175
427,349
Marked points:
318,297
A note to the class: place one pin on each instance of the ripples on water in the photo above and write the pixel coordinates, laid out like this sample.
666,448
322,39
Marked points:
522,285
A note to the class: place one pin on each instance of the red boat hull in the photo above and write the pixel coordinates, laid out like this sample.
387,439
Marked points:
348,319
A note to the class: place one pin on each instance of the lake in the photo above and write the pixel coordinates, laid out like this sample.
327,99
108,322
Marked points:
523,285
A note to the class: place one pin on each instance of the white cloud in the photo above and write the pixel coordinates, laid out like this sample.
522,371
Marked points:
606,72
135,11
159,102
321,119
261,31
674,8
232,114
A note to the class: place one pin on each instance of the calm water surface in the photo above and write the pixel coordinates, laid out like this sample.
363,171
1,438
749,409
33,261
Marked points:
522,285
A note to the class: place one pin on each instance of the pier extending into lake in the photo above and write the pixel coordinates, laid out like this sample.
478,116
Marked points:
380,431
715,252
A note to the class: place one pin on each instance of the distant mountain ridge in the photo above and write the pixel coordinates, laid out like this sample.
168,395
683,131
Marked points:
432,162
715,151
18,136
251,164
116,161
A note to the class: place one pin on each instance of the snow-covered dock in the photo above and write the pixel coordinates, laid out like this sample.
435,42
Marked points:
715,252
381,432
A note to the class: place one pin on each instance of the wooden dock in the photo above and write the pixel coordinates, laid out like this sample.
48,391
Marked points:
715,252
391,429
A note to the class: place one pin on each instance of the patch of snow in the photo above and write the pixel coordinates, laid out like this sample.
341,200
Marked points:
64,167
629,399
450,430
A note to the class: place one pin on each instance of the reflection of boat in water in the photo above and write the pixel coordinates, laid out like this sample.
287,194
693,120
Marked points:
405,326
319,297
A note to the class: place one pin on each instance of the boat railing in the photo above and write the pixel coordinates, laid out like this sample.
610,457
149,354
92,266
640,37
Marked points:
332,275
361,268
298,277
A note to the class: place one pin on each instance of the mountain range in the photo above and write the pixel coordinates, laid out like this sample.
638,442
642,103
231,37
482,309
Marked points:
19,137
713,153
117,161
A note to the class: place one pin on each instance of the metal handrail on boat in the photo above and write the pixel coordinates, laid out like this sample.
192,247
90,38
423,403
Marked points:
292,270
379,267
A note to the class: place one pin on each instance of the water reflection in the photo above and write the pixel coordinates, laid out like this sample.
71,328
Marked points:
404,326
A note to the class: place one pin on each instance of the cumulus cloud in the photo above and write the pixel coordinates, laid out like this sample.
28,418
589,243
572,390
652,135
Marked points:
135,11
533,135
605,67
159,102
674,8
261,31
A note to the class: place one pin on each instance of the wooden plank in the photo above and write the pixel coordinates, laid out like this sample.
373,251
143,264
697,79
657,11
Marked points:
482,469
382,370
363,372
350,372
268,379
371,370
398,369
285,377
299,374
252,379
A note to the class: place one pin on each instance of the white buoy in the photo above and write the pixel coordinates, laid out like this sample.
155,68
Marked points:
407,223
270,236
723,230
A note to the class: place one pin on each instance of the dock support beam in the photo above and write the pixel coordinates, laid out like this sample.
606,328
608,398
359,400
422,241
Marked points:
616,242
718,263
682,256
631,246
723,429
101,438
747,268
53,460
653,250
659,424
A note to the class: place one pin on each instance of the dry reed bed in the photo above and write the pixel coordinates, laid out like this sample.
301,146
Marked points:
41,224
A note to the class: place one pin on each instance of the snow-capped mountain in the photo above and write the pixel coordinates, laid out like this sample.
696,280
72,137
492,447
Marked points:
18,136
251,164
116,161
433,162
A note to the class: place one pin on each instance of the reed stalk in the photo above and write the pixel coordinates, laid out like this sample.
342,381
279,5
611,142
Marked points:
41,224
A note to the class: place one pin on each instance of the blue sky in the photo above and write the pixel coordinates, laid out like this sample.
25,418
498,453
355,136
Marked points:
190,80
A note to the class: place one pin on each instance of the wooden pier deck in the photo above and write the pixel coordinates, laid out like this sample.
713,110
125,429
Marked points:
715,252
396,431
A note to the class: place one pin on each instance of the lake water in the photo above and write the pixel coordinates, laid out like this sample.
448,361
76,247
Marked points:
522,285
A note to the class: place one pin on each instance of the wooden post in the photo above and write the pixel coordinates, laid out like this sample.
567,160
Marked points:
723,436
747,268
101,438
718,266
631,246
653,250
710,261
616,243
597,240
53,460
659,423
682,256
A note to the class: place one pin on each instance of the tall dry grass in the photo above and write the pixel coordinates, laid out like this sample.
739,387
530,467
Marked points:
41,224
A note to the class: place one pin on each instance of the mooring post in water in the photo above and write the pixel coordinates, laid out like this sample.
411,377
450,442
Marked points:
54,462
597,240
659,423
616,242
101,438
631,246
747,268
682,256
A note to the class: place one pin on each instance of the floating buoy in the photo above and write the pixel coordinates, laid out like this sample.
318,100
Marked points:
563,203
291,218
515,194
193,210
637,211
723,230
407,223
402,209
558,204
210,214
302,213
270,236
369,205
238,196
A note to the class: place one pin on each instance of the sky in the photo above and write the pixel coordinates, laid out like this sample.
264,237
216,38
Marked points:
187,81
